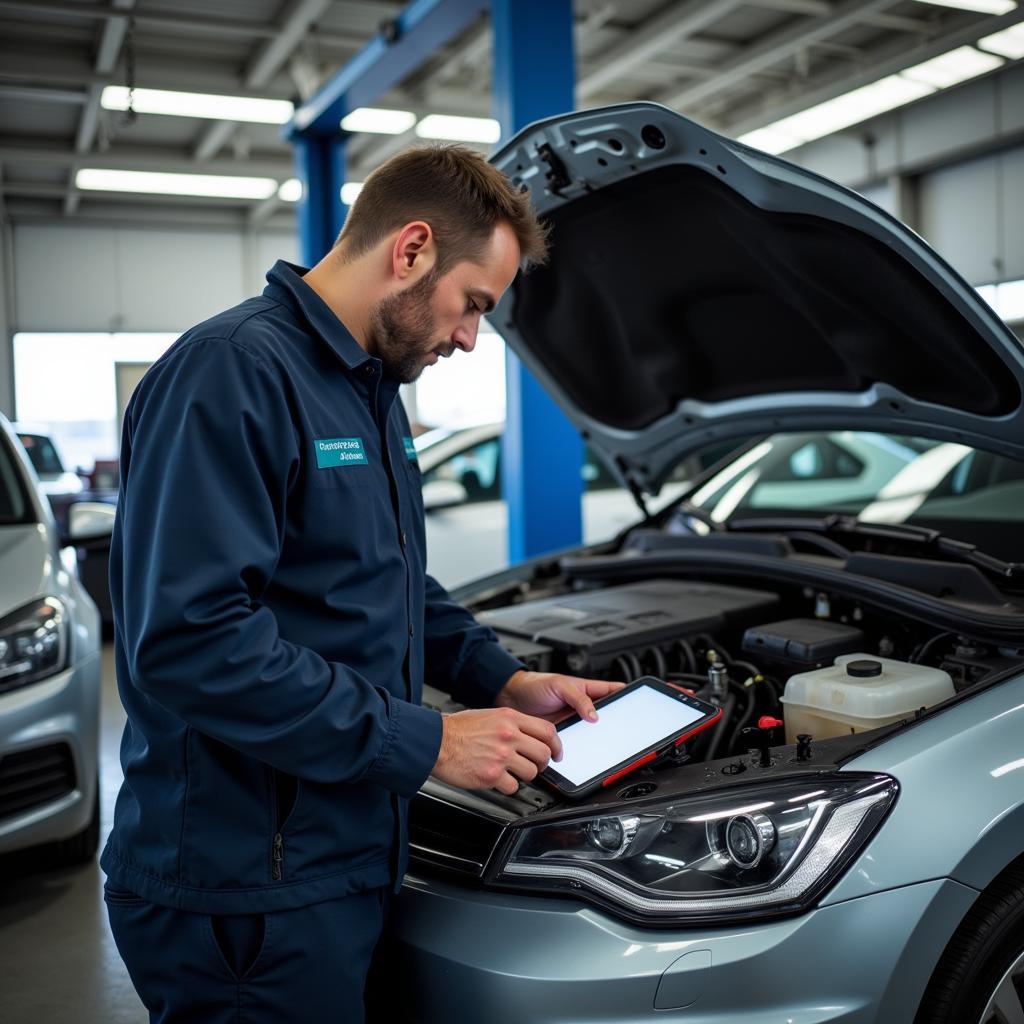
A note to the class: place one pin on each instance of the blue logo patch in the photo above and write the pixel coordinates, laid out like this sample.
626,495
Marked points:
340,451
410,449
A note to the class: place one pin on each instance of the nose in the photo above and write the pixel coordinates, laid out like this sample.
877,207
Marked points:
464,337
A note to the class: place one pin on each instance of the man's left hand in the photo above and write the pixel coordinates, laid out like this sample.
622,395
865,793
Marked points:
552,696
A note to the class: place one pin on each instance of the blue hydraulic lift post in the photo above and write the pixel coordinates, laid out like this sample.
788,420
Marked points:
320,164
542,453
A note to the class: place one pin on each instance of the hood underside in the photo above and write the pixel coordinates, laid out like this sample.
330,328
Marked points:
699,290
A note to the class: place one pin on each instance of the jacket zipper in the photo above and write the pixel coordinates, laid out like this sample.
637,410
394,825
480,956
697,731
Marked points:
278,858
281,814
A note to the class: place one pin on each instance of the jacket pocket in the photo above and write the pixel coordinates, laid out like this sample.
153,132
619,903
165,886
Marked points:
284,792
122,897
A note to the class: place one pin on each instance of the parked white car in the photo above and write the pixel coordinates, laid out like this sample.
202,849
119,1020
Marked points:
467,518
49,674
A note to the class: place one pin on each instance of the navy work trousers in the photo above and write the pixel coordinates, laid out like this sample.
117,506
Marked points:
307,966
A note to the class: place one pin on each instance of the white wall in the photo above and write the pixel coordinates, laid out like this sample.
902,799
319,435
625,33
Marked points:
89,278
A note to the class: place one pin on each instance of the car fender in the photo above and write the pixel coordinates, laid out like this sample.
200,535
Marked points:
960,810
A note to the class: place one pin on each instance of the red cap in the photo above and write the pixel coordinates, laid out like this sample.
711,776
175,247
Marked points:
767,722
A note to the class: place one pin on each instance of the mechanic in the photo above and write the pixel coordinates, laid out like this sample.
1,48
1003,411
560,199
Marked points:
274,623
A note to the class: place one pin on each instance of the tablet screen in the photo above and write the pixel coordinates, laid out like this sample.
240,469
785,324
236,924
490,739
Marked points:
624,728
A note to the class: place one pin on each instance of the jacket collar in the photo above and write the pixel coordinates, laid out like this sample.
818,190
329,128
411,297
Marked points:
285,284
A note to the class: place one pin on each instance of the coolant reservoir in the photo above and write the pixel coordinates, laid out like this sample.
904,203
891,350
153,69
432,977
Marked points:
859,692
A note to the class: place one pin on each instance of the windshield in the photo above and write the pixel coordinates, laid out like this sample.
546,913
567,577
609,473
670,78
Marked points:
966,493
14,506
42,454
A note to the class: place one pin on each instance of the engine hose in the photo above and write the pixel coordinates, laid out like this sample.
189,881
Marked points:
689,658
634,663
743,721
620,668
748,667
686,677
660,665
728,706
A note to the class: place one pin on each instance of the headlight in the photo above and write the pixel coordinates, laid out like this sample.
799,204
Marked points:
761,850
33,643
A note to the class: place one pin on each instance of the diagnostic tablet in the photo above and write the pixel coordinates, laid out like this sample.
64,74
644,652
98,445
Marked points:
635,725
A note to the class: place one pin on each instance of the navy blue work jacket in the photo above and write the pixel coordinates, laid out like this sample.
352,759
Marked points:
274,624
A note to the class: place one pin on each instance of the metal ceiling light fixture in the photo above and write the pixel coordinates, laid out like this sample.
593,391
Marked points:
256,110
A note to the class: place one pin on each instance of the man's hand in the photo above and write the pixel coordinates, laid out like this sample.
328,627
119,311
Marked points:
549,695
495,748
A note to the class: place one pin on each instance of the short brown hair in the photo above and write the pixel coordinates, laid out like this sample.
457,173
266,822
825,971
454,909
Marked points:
457,192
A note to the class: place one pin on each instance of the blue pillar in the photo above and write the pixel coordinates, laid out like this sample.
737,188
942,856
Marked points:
320,165
542,454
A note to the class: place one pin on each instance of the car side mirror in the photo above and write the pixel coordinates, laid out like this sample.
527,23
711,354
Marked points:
90,521
439,494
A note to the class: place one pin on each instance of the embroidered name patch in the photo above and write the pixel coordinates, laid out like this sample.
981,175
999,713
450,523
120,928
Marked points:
340,451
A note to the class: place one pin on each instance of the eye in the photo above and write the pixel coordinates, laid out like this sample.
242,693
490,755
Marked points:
472,307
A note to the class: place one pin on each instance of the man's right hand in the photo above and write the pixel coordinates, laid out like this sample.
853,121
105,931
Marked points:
494,748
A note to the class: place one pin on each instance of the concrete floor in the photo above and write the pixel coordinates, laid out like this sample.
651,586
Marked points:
58,962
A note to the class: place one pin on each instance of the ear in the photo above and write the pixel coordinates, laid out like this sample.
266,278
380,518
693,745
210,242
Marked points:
414,253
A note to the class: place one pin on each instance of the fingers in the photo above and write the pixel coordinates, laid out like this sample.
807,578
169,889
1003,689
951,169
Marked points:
580,702
507,784
533,750
522,768
598,688
543,731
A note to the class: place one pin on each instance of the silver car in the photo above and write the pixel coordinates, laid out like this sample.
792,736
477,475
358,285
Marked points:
847,845
49,675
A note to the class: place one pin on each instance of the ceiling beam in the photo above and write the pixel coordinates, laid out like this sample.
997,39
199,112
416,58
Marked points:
771,50
146,158
815,8
239,28
676,22
35,94
26,209
270,58
894,58
107,53
50,190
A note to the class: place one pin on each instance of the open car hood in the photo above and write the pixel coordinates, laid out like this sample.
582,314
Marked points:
699,290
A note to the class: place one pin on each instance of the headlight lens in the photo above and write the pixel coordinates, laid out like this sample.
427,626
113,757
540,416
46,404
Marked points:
33,643
748,851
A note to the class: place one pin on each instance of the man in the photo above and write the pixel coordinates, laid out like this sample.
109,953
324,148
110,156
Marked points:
274,624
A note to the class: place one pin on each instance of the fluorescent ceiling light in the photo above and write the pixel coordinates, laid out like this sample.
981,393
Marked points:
871,100
951,68
459,129
981,6
841,112
1008,43
290,191
199,104
220,186
375,119
350,192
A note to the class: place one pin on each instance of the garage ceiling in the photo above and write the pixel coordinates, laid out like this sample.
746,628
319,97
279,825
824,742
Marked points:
735,65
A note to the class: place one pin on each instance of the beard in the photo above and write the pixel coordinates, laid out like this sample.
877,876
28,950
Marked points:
402,331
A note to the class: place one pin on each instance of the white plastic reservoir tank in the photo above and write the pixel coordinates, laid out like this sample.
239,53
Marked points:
859,692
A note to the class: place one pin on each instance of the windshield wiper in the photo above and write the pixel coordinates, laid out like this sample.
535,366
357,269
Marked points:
834,524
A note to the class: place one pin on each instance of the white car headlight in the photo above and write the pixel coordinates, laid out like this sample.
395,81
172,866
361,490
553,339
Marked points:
762,850
33,643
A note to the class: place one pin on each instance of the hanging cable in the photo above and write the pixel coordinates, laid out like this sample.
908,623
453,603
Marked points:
130,115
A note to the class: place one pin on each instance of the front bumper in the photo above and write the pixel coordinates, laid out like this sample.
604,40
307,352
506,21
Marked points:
61,712
466,957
